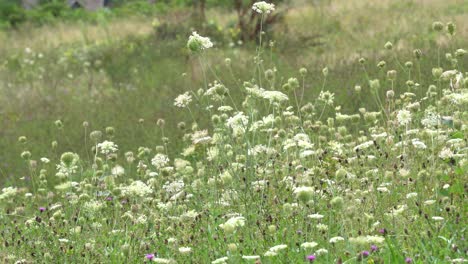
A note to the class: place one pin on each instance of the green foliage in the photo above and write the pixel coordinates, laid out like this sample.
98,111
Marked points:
11,14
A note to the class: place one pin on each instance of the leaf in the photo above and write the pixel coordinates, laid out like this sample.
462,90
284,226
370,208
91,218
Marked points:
457,134
456,188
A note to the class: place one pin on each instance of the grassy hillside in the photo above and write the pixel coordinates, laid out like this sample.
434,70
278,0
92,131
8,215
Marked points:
342,139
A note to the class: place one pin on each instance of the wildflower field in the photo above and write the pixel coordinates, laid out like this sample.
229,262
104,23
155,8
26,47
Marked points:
300,146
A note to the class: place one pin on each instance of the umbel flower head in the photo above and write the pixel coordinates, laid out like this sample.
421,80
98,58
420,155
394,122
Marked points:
404,117
183,100
197,43
263,7
304,193
231,224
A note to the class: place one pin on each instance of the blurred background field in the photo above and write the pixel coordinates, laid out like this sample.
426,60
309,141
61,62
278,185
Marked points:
123,66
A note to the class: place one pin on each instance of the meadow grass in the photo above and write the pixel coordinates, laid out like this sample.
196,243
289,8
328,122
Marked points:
132,149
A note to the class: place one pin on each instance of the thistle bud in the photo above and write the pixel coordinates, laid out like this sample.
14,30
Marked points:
357,88
409,64
362,60
381,64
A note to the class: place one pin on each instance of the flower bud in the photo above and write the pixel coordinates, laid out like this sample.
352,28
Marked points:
110,131
95,136
417,53
26,155
391,75
58,124
390,94
460,52
22,139
303,71
374,84
437,26
160,123
451,28
388,45
437,72
325,71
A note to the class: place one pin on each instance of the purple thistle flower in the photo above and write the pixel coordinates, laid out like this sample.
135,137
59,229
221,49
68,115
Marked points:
311,258
408,260
374,248
383,231
150,256
42,209
365,253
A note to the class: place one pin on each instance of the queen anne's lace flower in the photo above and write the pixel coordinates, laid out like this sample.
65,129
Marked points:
404,117
160,160
136,188
197,43
263,7
183,100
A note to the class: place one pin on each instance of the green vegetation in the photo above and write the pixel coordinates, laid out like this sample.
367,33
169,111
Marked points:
334,137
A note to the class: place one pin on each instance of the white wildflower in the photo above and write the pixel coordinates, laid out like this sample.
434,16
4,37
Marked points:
197,43
337,239
185,250
263,7
107,147
255,257
222,260
160,160
137,188
309,245
404,117
183,100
